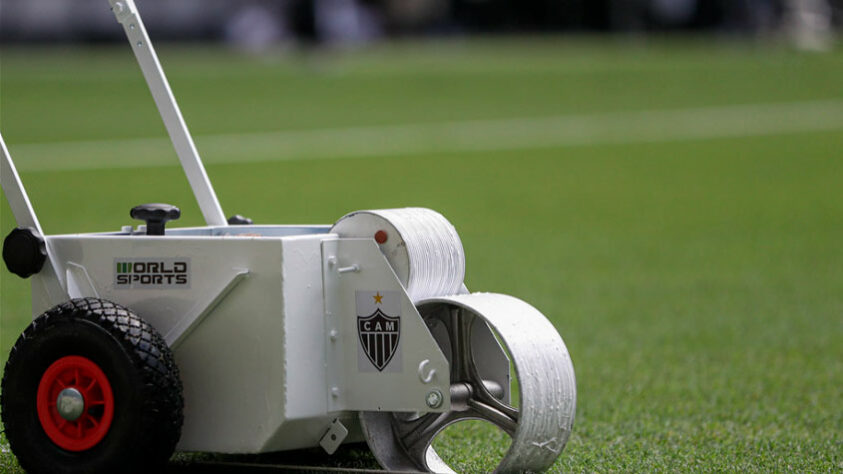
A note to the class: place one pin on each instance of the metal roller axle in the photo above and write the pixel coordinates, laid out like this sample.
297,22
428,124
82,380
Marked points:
462,392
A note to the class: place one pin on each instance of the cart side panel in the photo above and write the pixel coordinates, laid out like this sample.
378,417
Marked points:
305,392
232,362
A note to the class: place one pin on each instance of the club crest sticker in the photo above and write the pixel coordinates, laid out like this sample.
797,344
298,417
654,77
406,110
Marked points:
378,331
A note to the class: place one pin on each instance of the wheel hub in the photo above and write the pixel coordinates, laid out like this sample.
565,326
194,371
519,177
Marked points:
70,404
75,403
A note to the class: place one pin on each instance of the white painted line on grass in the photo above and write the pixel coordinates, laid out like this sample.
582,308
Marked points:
446,137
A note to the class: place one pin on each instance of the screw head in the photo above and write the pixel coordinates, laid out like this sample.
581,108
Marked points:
434,398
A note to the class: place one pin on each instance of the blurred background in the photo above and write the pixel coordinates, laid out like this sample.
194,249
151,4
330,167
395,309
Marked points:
258,24
661,178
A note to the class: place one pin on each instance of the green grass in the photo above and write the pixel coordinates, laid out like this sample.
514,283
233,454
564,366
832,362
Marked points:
698,284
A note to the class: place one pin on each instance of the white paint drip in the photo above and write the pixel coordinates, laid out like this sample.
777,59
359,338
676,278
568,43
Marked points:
547,445
446,137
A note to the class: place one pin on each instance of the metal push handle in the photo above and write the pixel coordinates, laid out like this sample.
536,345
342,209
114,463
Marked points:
128,16
15,192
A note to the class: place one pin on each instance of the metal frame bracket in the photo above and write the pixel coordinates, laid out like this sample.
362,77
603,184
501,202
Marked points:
334,437
352,384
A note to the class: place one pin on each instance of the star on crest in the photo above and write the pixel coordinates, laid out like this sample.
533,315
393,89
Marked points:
378,297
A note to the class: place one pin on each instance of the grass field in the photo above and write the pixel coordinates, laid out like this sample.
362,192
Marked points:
675,207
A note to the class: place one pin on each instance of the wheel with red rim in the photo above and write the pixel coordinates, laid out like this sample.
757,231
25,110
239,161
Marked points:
89,387
75,403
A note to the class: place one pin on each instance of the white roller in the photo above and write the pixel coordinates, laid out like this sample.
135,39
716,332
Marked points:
539,426
422,247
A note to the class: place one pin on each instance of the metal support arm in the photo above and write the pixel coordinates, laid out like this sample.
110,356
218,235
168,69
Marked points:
127,14
15,192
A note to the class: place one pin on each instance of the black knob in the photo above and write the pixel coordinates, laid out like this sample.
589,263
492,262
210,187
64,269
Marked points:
24,252
237,219
156,216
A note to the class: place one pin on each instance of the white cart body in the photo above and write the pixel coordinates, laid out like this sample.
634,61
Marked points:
251,326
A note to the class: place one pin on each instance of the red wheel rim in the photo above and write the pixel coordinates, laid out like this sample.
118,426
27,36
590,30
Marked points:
91,426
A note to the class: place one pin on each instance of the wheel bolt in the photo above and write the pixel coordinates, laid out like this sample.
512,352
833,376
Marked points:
434,399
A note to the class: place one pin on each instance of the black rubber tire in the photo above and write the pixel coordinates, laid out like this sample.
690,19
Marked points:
143,375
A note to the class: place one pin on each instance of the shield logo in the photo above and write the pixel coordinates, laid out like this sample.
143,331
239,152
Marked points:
379,335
